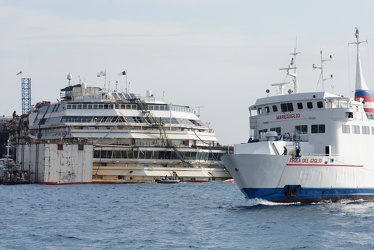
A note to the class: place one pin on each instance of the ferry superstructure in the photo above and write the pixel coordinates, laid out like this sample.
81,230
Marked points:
308,147
99,136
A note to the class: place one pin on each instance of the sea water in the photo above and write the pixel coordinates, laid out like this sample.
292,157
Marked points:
174,216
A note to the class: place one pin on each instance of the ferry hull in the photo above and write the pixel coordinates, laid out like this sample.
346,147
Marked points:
277,178
309,195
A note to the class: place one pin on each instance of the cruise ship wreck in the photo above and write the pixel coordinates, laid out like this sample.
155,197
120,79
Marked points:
97,136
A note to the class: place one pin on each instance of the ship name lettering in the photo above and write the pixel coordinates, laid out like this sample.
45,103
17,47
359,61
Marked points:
305,160
295,160
315,160
288,116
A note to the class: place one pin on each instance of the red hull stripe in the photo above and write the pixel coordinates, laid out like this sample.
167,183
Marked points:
367,98
322,165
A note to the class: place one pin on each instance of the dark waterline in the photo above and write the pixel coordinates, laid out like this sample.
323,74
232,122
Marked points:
180,216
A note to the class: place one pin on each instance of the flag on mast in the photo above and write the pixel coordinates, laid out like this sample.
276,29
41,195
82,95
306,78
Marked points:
19,73
101,73
123,73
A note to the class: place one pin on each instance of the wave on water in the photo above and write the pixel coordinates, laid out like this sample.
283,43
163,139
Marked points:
261,203
256,202
342,202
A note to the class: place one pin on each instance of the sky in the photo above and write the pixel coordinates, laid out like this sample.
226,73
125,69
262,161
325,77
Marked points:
216,56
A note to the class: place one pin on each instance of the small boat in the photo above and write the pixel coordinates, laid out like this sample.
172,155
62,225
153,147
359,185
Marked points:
231,180
168,180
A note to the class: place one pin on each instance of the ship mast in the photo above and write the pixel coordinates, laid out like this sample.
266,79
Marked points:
362,92
293,74
321,68
360,81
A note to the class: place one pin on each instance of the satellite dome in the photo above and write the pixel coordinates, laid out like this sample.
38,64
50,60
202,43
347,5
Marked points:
148,93
69,76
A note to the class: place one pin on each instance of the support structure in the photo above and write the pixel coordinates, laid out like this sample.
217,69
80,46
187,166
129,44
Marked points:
26,95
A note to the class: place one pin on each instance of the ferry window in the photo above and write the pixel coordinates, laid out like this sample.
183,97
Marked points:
262,133
299,105
284,107
309,105
80,147
148,155
372,130
277,129
60,146
365,130
319,104
287,107
141,155
319,128
290,106
259,111
301,129
356,129
346,129
275,108
96,154
267,110
349,114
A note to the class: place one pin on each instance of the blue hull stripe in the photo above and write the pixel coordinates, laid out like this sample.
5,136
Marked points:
294,193
364,93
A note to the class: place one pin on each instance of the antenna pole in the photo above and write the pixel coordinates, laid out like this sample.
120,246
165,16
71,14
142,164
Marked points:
321,68
358,42
294,67
360,82
127,90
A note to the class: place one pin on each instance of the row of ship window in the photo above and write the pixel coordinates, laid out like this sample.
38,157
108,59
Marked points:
299,129
125,154
356,129
320,128
116,119
288,107
163,107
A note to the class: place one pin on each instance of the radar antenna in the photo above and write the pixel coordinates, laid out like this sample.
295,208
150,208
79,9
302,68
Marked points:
69,77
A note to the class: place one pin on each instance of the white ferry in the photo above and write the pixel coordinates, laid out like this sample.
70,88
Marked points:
308,147
100,136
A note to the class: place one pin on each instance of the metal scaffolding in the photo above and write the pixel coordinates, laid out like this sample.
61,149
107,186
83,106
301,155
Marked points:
26,95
